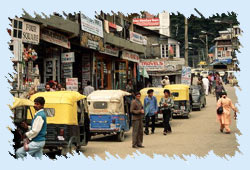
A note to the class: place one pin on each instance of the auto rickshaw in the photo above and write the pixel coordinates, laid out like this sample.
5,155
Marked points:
109,113
182,99
20,109
158,93
198,97
67,119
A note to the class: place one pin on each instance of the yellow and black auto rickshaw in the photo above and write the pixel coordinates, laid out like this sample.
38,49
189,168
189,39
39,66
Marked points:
182,103
67,119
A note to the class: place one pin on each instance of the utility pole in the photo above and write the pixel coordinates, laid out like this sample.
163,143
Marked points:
186,42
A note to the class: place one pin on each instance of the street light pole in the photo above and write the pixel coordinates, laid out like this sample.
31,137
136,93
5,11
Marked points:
186,42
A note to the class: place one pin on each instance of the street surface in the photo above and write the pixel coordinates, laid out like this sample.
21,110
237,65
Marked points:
198,135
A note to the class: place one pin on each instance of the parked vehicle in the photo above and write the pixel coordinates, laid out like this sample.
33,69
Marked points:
204,73
67,120
182,99
198,97
158,93
20,109
109,112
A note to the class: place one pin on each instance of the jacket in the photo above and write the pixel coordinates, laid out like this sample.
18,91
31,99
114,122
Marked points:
135,109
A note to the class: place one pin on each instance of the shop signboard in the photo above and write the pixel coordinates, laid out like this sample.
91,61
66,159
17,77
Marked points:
113,51
31,33
186,75
25,31
93,26
67,70
130,56
72,84
55,38
138,38
68,57
146,21
85,69
152,65
92,41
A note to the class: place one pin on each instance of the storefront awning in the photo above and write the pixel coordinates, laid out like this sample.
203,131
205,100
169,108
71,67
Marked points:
221,62
160,74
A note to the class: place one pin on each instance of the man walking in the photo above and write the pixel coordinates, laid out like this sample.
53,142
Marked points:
150,109
137,124
88,89
205,82
36,134
166,105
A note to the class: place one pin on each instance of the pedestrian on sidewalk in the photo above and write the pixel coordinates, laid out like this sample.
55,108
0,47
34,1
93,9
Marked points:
205,82
37,133
137,112
150,109
88,89
219,88
225,118
166,105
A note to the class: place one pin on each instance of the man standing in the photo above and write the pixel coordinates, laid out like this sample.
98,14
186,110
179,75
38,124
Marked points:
205,82
165,81
36,135
137,116
150,109
88,89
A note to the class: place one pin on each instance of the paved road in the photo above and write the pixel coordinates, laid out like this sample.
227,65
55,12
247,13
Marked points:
197,135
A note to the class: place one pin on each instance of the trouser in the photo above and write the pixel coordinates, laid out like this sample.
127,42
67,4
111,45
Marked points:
166,118
218,95
226,126
206,89
147,119
137,133
35,150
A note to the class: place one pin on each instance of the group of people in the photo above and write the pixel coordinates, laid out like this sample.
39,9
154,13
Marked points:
149,111
54,86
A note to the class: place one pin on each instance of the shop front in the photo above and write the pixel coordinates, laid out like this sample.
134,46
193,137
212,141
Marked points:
56,63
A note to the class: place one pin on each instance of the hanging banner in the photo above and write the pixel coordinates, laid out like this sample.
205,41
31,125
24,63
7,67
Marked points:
93,26
137,38
55,38
72,84
68,57
186,75
130,56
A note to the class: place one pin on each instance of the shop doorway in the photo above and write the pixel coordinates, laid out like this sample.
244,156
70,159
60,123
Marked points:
103,73
51,71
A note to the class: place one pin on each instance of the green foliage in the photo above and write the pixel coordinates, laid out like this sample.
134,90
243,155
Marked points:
196,25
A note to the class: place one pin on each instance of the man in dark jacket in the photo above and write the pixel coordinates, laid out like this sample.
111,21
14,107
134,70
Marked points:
137,115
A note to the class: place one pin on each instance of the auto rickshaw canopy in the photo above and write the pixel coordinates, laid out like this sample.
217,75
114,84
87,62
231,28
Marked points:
62,106
106,102
158,93
181,89
18,102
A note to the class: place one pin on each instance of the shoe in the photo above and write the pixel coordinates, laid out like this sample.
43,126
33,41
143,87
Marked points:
140,146
152,132
146,132
164,133
135,146
227,132
221,130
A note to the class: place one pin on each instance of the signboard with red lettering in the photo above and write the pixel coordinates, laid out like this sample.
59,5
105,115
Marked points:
72,84
152,65
146,21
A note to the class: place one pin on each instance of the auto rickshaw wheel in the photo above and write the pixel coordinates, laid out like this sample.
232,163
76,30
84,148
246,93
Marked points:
187,116
120,136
